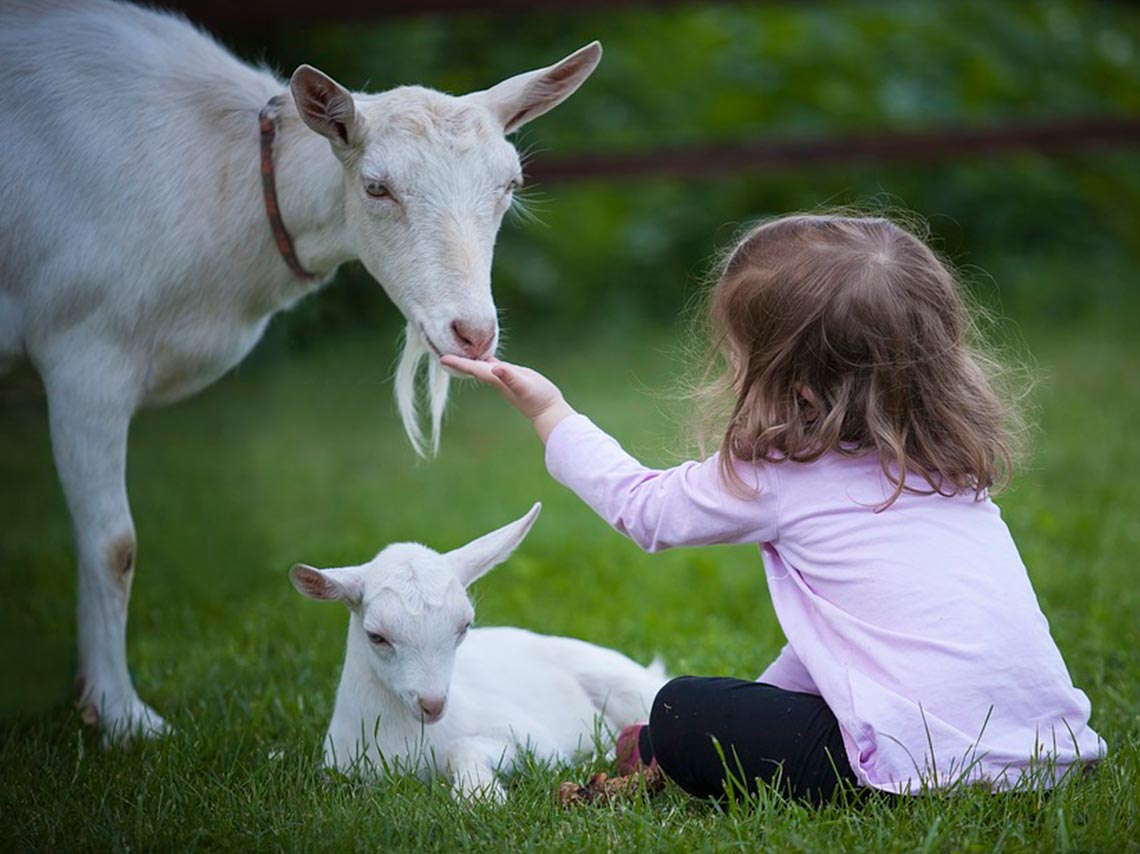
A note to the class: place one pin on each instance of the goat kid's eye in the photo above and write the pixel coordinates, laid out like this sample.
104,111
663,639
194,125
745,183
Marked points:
377,190
377,639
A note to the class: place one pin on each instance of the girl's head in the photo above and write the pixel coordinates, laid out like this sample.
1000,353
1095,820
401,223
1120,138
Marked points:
848,334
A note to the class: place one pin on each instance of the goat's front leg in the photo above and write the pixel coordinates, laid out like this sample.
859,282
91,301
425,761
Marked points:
90,409
471,767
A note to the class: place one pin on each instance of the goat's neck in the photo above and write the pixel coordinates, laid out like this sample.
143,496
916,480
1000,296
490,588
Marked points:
310,192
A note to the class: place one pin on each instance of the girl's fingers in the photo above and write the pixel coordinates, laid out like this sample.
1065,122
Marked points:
516,381
479,370
510,380
471,367
459,363
505,374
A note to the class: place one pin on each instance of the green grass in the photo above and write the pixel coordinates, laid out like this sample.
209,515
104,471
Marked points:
301,459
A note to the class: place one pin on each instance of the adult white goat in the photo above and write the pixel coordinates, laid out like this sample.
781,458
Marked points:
411,657
142,169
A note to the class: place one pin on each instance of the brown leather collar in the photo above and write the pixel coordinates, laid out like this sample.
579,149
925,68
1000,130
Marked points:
267,120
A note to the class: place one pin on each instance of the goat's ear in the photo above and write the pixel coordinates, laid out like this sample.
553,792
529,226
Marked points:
339,585
475,559
526,96
325,106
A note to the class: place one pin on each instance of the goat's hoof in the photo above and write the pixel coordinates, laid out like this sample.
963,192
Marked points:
123,723
484,795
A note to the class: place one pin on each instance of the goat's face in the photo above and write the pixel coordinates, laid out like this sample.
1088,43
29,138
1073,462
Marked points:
423,204
427,179
411,610
413,616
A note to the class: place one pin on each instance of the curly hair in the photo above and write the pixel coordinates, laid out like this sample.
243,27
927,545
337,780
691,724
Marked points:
849,335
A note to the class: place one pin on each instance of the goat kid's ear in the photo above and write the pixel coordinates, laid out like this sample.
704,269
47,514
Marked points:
339,585
526,96
475,559
325,106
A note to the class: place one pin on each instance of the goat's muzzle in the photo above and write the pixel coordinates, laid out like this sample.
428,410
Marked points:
432,708
476,340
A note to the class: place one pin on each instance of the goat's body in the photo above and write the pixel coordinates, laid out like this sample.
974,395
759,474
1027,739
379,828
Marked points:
136,264
512,690
132,225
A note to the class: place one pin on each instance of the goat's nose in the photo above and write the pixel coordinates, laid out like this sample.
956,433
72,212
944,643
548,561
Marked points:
432,707
474,338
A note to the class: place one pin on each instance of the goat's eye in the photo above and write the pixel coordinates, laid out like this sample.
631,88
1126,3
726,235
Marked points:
377,189
377,639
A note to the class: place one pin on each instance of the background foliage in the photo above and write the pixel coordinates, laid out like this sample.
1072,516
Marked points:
298,455
699,73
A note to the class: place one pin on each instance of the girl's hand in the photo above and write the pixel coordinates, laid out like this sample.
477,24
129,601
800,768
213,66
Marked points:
526,390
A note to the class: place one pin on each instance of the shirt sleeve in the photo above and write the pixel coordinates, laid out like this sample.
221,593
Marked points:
688,505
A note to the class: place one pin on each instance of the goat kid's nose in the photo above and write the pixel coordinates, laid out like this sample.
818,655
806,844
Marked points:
474,338
432,707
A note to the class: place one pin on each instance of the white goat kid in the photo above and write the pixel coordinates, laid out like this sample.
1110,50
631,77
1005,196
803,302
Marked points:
137,264
412,656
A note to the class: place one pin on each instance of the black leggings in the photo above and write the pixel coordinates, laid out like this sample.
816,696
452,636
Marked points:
783,738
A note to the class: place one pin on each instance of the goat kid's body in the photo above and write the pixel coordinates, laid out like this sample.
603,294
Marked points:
512,690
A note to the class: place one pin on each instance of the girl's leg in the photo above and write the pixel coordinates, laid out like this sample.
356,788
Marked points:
764,732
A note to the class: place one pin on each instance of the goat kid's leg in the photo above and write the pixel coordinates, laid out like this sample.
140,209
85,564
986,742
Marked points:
472,773
89,419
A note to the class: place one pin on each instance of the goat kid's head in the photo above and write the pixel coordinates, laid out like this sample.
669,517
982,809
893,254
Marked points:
411,610
427,180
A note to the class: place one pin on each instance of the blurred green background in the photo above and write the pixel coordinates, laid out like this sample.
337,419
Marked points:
621,251
298,454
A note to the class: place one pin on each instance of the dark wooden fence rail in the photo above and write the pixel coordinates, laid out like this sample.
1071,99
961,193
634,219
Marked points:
248,14
884,146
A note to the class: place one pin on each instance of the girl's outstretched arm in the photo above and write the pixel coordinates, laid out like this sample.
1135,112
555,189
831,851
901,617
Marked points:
684,505
526,390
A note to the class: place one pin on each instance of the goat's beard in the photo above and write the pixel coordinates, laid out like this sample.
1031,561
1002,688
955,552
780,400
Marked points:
409,393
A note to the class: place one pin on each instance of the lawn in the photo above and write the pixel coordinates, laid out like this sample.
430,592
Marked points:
298,456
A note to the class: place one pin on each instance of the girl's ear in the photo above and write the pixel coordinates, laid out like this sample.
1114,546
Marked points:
340,585
475,559
809,403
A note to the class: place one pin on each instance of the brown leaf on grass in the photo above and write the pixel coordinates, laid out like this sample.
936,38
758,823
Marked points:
604,789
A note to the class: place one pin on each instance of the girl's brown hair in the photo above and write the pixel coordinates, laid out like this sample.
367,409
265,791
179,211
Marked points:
849,335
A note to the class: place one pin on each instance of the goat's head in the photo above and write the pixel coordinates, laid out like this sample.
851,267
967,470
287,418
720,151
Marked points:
410,609
427,180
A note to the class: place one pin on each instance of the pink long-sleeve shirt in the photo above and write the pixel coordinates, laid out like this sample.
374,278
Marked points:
917,625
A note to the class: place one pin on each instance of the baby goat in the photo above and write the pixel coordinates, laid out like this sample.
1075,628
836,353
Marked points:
423,692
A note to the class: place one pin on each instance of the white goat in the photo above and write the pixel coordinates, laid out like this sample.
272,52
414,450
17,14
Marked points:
138,262
412,656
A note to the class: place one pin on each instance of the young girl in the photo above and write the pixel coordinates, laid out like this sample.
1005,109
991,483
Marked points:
859,456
